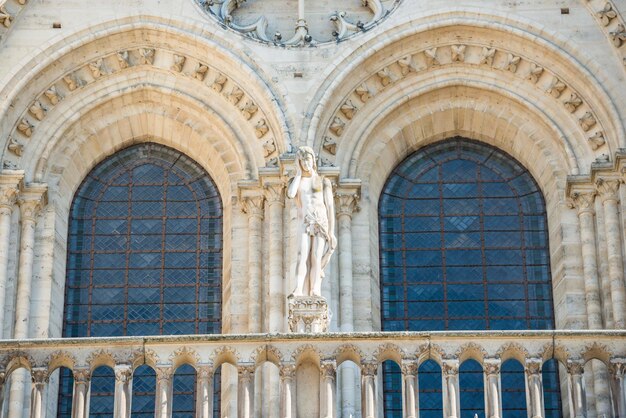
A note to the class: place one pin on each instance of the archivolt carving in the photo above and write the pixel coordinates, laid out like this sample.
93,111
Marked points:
495,59
184,355
16,359
471,350
513,350
267,353
225,354
61,359
119,61
8,13
389,352
306,352
349,352
596,351
100,358
611,23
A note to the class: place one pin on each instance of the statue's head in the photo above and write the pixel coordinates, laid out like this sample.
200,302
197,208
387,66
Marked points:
305,156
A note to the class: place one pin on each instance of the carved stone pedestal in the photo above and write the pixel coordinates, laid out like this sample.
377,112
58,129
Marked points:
308,314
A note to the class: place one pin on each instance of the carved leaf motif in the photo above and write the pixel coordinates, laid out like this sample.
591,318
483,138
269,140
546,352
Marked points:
385,76
147,55
96,68
249,109
618,35
597,140
269,147
122,59
587,121
52,95
261,128
71,82
15,147
556,87
487,55
235,95
330,145
201,71
37,110
512,62
406,65
431,57
218,83
573,102
534,73
5,16
607,14
458,53
363,92
25,127
348,109
179,61
337,126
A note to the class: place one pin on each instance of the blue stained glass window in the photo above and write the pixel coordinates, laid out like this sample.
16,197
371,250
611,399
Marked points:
464,246
144,258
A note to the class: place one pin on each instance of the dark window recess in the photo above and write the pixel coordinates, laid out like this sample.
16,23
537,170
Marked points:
144,258
464,246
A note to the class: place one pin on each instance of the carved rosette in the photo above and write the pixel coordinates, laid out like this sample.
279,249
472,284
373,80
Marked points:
308,314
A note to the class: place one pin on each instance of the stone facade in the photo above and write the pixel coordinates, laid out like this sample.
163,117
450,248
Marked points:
235,87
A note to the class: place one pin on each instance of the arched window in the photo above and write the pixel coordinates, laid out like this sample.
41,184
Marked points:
144,253
463,245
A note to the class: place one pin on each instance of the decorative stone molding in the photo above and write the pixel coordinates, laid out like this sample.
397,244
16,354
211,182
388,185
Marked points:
607,188
583,201
185,354
225,12
495,59
307,314
115,62
409,367
533,366
612,24
123,373
39,375
9,11
32,200
81,375
10,185
328,368
253,205
347,202
575,366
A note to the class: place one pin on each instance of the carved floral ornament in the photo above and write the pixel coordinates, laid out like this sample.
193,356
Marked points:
257,27
37,111
8,13
611,23
489,57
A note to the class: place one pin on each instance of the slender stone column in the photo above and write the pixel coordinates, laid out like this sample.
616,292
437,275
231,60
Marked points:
493,388
10,185
368,390
204,393
3,380
451,400
80,403
39,377
328,390
254,207
577,401
534,386
618,386
31,201
410,402
608,190
275,195
123,390
288,391
584,202
245,396
164,393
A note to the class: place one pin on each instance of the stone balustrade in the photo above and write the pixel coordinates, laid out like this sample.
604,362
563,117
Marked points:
324,353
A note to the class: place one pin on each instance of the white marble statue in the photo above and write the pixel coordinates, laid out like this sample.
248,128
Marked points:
316,223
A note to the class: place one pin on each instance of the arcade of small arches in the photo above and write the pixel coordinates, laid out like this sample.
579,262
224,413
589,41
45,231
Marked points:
126,84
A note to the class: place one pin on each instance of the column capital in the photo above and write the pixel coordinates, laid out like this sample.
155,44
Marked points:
450,367
123,373
575,367
608,188
10,185
39,375
369,368
274,192
491,366
3,377
205,372
328,368
409,367
288,371
583,200
618,367
246,372
533,366
347,196
163,374
81,375
31,200
253,205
